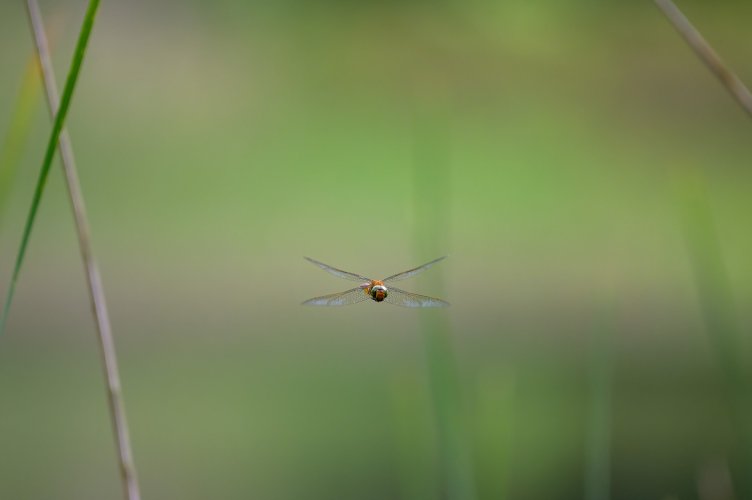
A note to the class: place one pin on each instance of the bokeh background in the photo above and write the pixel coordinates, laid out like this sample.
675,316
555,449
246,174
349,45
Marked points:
549,148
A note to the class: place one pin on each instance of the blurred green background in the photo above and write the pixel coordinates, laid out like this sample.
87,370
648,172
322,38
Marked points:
219,142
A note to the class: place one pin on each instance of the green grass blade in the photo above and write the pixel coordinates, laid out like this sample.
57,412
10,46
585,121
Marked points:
415,441
19,127
431,198
493,429
57,127
716,301
598,431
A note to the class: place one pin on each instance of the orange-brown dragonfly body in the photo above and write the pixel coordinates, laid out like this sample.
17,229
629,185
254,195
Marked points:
375,290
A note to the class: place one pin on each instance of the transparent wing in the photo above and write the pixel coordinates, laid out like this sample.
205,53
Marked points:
352,296
406,299
413,272
337,272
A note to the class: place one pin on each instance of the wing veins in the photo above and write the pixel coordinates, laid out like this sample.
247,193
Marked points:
412,272
337,272
402,298
346,298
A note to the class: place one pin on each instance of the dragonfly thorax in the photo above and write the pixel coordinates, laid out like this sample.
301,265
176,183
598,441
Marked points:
378,292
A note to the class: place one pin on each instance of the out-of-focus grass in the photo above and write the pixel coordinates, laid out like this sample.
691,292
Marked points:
598,419
18,128
432,200
493,423
415,441
715,295
718,305
717,300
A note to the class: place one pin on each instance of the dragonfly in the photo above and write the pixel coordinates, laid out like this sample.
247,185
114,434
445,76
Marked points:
376,290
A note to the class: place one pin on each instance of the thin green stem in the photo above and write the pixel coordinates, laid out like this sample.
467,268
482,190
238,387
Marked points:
96,292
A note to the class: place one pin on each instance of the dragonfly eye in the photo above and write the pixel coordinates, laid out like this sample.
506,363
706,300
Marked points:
378,293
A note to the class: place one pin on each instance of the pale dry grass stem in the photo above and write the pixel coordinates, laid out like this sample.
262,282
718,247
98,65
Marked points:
706,53
96,292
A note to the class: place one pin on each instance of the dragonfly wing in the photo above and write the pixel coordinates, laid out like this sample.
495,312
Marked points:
406,299
337,272
352,296
412,272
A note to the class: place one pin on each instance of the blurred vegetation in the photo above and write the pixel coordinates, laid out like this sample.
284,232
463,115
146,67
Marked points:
18,128
219,142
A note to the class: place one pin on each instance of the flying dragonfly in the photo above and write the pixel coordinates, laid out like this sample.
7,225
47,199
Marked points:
375,289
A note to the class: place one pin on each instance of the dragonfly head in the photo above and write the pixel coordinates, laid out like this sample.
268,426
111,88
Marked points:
378,292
